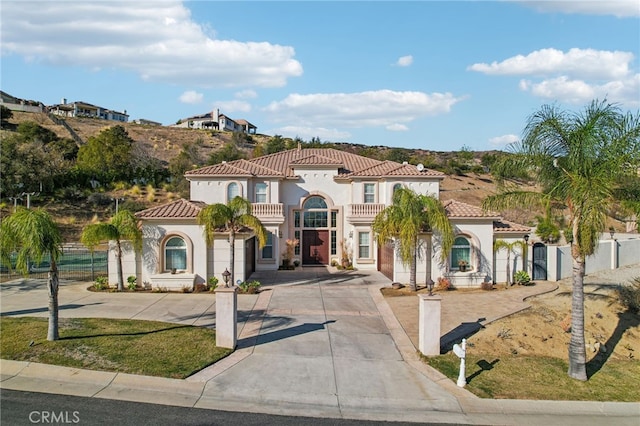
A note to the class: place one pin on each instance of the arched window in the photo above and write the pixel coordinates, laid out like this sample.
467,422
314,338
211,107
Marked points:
175,254
233,190
315,202
397,186
461,253
315,214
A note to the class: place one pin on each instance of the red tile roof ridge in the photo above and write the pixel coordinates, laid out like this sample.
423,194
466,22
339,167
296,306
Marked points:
178,209
456,208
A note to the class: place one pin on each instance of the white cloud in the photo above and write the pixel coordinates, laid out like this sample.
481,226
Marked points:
380,108
157,40
233,106
619,8
577,76
504,140
580,63
580,92
397,128
307,133
246,94
191,97
405,61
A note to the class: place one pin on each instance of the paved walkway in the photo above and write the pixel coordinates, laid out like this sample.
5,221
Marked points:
312,343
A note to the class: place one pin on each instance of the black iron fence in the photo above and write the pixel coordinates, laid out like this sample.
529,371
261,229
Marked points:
77,263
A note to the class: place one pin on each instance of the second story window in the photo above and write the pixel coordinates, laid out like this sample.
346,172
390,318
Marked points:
261,192
369,192
233,190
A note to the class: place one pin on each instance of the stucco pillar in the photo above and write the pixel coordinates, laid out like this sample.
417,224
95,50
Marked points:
226,316
429,324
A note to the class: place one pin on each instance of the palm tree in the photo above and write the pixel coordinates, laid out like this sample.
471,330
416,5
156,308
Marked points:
410,215
123,226
509,247
33,234
231,218
579,159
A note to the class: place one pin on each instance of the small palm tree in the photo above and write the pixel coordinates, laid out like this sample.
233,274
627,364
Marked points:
410,215
580,161
33,234
230,218
510,248
123,226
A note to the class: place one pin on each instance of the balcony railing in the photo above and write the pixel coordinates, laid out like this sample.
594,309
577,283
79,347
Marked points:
268,212
363,212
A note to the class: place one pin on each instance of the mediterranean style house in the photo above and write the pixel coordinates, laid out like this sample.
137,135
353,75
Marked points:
324,198
84,109
216,120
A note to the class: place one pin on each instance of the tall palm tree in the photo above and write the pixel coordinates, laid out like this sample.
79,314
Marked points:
509,247
231,218
33,234
410,215
579,159
123,226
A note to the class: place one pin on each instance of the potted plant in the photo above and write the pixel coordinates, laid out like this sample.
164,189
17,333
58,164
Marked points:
462,265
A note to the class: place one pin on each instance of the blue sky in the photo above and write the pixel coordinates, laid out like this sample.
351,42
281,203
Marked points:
436,75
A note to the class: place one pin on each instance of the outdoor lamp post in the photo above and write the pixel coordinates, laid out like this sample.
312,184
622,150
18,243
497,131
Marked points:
225,276
524,252
430,286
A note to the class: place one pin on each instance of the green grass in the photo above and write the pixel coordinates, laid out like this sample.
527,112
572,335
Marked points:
148,348
541,378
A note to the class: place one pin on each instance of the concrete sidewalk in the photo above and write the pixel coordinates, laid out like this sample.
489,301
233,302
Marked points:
312,343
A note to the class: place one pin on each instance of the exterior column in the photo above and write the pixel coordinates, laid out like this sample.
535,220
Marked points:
429,324
614,254
226,317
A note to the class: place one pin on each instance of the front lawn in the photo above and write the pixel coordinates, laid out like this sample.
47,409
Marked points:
541,378
147,348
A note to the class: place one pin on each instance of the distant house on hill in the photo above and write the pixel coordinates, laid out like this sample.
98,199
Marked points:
17,104
146,122
84,109
215,120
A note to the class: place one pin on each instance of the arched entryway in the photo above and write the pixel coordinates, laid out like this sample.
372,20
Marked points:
315,226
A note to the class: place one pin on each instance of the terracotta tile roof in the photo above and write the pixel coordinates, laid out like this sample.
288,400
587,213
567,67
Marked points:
391,168
506,226
459,209
179,209
280,164
316,160
234,168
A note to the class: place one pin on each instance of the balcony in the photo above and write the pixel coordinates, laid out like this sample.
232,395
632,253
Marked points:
268,213
363,213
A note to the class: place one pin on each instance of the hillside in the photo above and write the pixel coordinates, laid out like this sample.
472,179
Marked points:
165,143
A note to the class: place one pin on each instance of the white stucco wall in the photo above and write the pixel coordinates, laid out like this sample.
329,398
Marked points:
154,234
500,260
480,232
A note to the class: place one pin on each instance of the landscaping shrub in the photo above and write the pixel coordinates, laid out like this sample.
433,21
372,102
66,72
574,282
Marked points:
249,287
131,282
629,295
101,283
522,278
443,284
486,286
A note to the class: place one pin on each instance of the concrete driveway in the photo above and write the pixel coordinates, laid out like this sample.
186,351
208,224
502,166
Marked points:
314,342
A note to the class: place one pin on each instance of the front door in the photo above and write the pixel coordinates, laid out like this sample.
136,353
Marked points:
315,247
385,259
